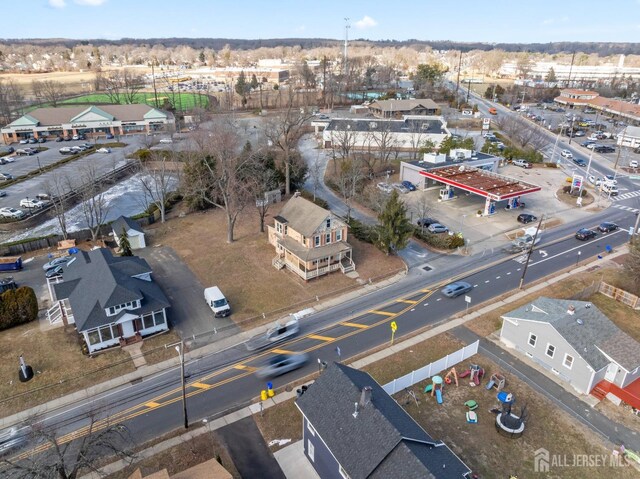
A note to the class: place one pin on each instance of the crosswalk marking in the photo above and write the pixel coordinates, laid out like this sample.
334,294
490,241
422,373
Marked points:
626,196
626,208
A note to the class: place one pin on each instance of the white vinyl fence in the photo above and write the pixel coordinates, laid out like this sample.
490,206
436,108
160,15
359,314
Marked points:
431,369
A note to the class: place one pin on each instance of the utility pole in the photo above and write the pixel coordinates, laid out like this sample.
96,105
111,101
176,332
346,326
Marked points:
570,70
458,81
153,79
346,43
180,348
526,264
635,234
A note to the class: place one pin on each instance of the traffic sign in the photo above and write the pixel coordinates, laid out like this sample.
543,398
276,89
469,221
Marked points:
394,326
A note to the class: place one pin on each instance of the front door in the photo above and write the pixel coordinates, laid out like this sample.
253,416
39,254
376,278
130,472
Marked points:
127,329
611,372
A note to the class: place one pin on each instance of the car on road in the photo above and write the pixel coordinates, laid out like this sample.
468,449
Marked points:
579,162
594,180
12,438
584,234
384,187
566,154
526,218
24,141
607,227
437,228
400,188
3,193
633,164
166,140
103,150
31,203
13,213
61,261
424,222
522,164
457,288
408,185
610,180
53,272
5,177
281,364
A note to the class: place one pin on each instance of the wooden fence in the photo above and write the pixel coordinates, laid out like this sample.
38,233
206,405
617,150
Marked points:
620,295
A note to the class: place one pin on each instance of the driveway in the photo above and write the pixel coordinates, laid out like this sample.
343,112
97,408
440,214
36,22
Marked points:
189,314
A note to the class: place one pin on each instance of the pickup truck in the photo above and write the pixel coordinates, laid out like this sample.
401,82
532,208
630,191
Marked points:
524,242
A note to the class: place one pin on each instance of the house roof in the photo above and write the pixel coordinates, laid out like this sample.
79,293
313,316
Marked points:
413,124
632,131
382,440
97,280
127,223
309,254
303,215
404,105
576,91
592,336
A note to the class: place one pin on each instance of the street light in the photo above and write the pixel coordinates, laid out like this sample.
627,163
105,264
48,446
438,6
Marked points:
180,348
578,257
39,165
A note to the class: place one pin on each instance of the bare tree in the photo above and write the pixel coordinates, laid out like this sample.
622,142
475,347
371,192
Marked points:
58,188
315,173
11,101
122,86
264,178
159,174
93,201
385,142
62,457
48,91
348,181
422,207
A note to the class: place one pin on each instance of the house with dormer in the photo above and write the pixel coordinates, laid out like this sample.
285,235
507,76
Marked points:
578,344
111,300
93,121
309,240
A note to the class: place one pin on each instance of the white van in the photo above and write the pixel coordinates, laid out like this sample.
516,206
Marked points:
610,189
217,302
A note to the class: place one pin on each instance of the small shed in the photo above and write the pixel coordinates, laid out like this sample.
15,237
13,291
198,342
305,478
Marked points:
133,229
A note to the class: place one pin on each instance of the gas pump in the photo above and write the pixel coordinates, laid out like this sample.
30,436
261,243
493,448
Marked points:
446,193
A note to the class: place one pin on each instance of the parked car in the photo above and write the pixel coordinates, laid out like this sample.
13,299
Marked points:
584,234
56,262
566,154
9,212
31,203
604,149
59,139
456,289
281,364
109,136
589,142
24,141
385,187
424,222
579,162
53,272
65,150
408,185
103,150
8,159
3,193
526,218
633,164
42,139
607,227
32,141
437,228
522,163
400,188
5,177
166,140
579,133
594,180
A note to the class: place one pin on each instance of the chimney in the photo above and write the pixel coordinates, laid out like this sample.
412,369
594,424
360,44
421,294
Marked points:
365,396
571,310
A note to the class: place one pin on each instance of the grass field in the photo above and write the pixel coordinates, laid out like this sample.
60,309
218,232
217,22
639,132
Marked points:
180,101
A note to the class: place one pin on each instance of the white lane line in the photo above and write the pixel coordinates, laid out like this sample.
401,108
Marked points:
486,281
508,273
475,285
438,299
577,247
497,277
425,304
518,269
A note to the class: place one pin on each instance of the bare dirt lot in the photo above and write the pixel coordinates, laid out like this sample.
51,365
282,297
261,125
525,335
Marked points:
243,269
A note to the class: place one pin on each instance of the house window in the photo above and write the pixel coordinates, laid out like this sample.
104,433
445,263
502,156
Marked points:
311,450
343,473
317,241
279,228
106,333
551,350
532,340
310,428
338,235
93,336
112,310
327,238
568,361
147,321
286,230
328,222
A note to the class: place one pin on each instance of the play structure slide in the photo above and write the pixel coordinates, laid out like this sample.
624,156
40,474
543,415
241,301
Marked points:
439,396
465,373
476,380
490,384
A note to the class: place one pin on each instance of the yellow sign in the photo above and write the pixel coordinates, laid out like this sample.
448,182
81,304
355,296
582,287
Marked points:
394,326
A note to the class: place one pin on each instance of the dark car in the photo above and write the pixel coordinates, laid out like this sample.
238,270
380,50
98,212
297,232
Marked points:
526,218
59,139
424,222
456,289
583,234
13,438
579,162
607,227
604,149
53,272
408,185
109,136
32,141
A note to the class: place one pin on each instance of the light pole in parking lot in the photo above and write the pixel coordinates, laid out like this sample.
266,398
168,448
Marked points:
39,165
28,206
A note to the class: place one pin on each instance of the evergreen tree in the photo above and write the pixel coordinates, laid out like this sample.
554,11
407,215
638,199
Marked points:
394,229
241,85
125,245
254,82
551,76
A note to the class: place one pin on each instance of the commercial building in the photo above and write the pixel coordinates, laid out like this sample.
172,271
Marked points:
572,97
400,108
91,121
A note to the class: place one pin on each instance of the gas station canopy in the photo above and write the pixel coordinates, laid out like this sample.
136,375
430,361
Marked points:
492,186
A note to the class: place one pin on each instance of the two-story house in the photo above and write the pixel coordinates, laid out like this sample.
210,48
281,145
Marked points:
309,240
112,300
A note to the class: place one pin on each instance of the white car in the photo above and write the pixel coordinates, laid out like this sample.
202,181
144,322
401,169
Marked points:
166,140
24,141
566,154
103,150
11,213
633,164
400,188
9,159
594,180
386,188
31,203
75,137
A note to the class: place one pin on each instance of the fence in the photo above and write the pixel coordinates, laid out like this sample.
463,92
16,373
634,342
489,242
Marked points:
620,295
431,369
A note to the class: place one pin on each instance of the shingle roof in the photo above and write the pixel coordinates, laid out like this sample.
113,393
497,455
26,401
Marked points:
310,254
97,280
404,105
408,125
127,223
303,215
383,440
593,335
64,114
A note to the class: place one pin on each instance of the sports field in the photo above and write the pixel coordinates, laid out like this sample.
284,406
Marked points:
180,101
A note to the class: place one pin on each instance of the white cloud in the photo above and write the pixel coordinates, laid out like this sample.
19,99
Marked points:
366,22
90,3
57,3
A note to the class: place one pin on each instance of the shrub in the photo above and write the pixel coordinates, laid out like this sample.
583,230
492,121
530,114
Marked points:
318,201
362,231
18,306
440,241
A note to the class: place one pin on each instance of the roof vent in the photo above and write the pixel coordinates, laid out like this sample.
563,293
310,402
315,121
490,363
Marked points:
588,305
355,413
571,310
579,321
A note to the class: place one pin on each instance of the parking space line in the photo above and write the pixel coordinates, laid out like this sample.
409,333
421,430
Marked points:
200,385
408,301
320,338
383,313
355,325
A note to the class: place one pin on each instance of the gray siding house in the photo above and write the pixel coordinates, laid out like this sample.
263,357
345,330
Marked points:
112,300
353,429
576,342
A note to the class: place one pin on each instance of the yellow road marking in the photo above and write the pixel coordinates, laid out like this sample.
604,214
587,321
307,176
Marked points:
425,290
355,325
383,313
281,351
240,366
408,301
201,385
152,404
320,338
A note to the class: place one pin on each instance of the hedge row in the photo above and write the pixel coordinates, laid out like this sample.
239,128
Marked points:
361,231
17,306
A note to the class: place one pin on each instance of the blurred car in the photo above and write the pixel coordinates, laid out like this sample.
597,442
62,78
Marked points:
386,188
31,203
579,162
400,188
584,234
437,228
522,164
9,159
9,212
3,193
607,227
56,262
24,141
282,364
566,154
166,140
610,180
526,218
424,222
75,137
12,438
53,272
457,288
5,177
42,139
633,164
109,136
103,150
594,180
410,186
59,139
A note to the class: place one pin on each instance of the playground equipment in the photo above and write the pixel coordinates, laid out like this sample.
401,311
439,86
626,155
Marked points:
497,381
476,373
471,405
472,417
508,423
447,378
437,388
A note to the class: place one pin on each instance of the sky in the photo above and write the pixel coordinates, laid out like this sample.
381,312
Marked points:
493,21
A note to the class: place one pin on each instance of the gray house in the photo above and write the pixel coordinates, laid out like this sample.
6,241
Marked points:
353,429
578,343
135,233
112,300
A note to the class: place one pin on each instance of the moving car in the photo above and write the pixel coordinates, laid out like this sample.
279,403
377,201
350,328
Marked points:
427,221
31,203
579,162
55,262
282,364
12,438
526,218
493,111
566,154
437,228
411,187
584,234
456,289
3,193
594,180
610,180
277,333
9,212
103,150
607,227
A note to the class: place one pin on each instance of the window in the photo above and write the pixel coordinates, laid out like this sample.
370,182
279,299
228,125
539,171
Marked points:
286,230
310,450
532,340
311,429
551,350
279,227
338,235
327,238
568,361
328,222
93,336
106,333
112,311
147,321
316,241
